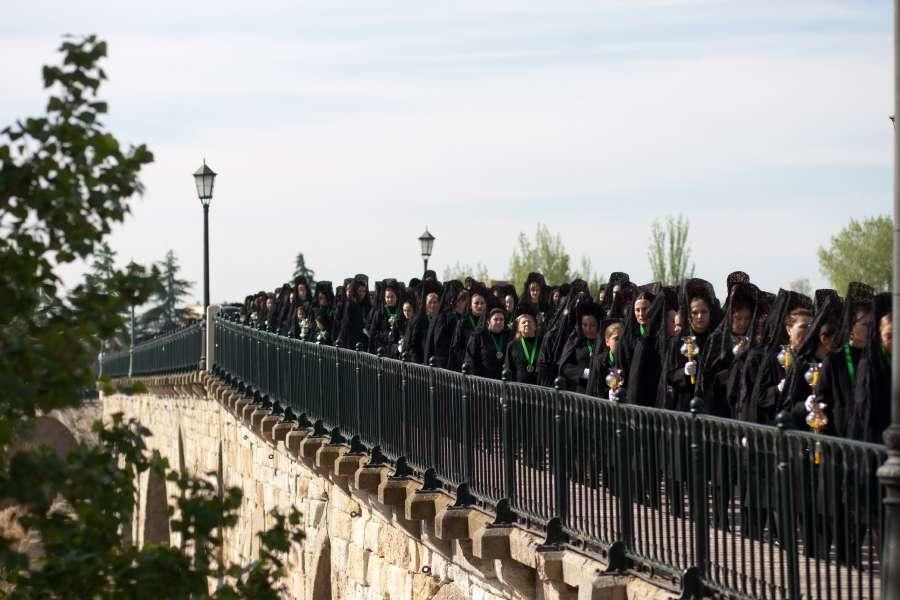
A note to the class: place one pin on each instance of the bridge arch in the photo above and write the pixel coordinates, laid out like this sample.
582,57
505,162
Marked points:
156,515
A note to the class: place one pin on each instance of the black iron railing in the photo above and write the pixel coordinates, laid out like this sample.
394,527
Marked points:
707,505
176,352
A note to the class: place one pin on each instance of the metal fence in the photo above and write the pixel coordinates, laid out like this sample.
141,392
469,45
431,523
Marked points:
176,352
697,503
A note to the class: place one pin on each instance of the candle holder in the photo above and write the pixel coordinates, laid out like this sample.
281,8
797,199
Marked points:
785,357
740,344
815,416
689,350
614,381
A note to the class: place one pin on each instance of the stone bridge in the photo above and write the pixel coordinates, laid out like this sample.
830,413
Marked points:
367,535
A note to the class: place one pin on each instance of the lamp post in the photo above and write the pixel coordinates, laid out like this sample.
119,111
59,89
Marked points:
889,473
204,178
426,240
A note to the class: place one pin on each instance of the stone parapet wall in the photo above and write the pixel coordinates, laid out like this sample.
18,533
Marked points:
368,536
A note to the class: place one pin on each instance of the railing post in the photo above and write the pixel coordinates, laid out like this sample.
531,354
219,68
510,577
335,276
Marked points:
786,506
432,417
697,493
559,459
404,408
468,434
357,409
623,481
509,479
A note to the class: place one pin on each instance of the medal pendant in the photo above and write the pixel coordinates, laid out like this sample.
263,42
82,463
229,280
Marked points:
530,368
499,356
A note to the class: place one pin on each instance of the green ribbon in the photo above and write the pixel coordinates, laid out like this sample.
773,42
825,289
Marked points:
590,347
851,368
643,330
497,346
612,358
471,322
529,358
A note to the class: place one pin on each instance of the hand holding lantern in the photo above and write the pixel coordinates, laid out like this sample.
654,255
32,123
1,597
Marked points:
614,382
815,416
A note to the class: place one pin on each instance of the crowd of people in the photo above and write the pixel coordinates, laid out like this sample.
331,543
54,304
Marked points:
749,355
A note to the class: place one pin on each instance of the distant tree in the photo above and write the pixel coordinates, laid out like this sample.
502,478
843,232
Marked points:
301,270
100,278
586,271
460,272
168,311
801,286
861,251
546,254
669,252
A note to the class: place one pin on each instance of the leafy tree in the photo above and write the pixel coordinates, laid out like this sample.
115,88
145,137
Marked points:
669,252
861,251
460,272
801,286
64,181
546,254
301,270
168,312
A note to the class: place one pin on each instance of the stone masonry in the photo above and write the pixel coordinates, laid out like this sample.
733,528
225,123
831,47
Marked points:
368,536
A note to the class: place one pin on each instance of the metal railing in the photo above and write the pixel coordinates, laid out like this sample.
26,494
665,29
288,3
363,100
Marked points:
176,352
693,502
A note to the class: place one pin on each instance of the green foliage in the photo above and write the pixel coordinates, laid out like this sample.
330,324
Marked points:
546,254
81,503
861,251
669,252
64,182
167,312
460,272
301,270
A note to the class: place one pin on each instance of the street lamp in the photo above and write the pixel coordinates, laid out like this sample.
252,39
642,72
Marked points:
205,178
427,242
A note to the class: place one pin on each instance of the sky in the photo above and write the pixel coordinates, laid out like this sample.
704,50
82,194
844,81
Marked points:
342,129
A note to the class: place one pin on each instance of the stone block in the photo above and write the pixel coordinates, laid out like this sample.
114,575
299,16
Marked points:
556,590
238,407
294,438
576,567
348,464
266,425
358,564
549,565
280,431
328,454
310,445
516,577
598,585
452,523
523,547
368,478
256,418
492,542
246,411
425,504
464,558
393,492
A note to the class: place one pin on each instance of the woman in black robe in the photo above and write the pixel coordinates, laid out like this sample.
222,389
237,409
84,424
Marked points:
700,311
731,339
522,351
356,311
384,316
413,344
441,328
575,361
557,332
472,318
534,292
871,413
486,348
606,357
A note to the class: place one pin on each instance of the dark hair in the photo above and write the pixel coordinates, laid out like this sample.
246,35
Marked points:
795,314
